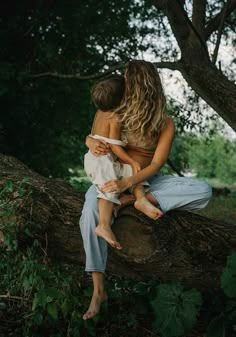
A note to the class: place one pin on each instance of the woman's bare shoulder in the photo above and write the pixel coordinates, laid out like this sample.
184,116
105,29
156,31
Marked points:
169,124
169,121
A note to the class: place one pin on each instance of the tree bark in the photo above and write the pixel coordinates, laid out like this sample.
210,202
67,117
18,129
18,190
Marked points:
180,246
195,65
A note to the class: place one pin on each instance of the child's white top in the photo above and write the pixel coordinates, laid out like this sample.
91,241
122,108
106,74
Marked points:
109,140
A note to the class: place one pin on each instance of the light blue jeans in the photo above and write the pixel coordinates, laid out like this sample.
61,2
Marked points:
171,193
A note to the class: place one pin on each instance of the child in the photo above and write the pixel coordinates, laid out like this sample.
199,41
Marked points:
107,95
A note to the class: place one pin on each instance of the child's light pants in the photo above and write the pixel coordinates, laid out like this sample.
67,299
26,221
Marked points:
103,168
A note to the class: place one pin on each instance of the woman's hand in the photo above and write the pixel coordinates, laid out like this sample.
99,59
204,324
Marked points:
115,186
136,167
98,147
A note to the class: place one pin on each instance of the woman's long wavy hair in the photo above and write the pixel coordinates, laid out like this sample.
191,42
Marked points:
143,108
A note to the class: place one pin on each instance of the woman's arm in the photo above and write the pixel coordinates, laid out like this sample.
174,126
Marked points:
118,150
160,156
98,147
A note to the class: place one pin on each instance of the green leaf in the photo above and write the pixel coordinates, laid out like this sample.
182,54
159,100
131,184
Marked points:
27,283
230,310
24,180
75,332
175,310
40,299
7,212
216,327
28,232
228,277
52,294
52,310
65,308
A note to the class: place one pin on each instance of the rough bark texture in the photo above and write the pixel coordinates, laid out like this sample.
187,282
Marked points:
180,246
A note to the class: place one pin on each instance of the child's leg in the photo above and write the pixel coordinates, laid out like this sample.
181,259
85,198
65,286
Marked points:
125,200
103,229
144,205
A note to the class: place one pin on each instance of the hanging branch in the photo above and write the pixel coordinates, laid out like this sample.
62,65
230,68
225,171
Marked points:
168,65
216,50
214,23
172,166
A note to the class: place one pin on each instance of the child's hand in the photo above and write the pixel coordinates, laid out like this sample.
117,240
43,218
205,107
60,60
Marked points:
136,167
98,147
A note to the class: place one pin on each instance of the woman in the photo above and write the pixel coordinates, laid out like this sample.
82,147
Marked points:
149,133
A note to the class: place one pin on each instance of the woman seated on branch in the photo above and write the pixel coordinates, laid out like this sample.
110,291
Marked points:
148,132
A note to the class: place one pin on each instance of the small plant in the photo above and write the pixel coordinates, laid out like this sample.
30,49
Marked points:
224,322
45,297
175,309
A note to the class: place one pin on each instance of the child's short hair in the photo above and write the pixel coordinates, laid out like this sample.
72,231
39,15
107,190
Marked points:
108,93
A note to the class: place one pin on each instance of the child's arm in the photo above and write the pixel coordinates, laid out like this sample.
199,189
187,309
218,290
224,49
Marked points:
119,150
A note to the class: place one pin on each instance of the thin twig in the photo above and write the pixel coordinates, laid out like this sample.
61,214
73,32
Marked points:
8,296
168,65
45,249
216,50
172,166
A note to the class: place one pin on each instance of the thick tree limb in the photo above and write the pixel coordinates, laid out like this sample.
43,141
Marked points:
199,16
188,38
214,23
196,67
180,246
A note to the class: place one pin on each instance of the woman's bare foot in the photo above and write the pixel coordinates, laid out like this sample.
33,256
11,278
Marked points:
125,200
147,208
95,304
106,233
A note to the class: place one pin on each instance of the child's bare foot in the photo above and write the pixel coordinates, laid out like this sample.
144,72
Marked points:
147,208
125,200
106,233
95,304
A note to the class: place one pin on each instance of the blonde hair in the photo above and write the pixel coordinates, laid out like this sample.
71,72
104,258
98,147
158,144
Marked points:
143,108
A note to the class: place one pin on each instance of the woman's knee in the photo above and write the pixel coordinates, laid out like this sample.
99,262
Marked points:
89,215
206,189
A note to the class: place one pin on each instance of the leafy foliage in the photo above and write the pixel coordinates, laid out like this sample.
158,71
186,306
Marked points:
228,277
45,121
175,309
209,157
40,297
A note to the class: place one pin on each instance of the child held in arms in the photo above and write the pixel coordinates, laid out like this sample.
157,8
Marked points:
107,96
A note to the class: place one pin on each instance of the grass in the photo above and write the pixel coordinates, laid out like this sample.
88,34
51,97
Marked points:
222,208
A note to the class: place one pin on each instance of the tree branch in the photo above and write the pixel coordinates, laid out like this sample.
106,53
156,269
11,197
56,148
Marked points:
225,9
169,65
214,23
189,40
199,16
172,166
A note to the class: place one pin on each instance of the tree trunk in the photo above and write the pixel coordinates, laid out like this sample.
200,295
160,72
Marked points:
180,246
195,64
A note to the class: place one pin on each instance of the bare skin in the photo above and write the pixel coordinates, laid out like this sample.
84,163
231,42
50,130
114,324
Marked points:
125,200
99,296
103,229
144,206
106,233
